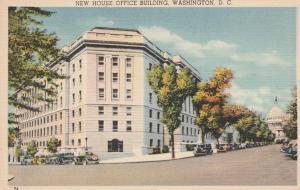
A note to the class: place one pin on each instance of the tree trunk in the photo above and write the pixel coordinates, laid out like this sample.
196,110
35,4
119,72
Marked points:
172,144
202,137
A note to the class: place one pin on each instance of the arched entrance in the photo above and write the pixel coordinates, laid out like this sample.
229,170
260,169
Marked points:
115,145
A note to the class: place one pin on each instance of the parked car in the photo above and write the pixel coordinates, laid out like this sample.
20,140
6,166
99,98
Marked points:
87,158
243,145
65,158
202,150
51,159
292,152
26,160
222,148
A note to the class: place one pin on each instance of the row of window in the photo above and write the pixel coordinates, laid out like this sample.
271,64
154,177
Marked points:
115,61
189,131
42,132
115,125
114,110
42,120
115,77
115,94
41,143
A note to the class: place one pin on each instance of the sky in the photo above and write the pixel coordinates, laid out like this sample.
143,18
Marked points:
258,44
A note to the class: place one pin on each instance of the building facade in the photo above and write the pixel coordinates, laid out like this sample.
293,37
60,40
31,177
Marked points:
105,103
275,120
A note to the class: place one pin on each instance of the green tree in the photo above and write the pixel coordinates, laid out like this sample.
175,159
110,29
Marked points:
18,152
290,127
52,145
13,134
30,48
32,149
209,101
172,89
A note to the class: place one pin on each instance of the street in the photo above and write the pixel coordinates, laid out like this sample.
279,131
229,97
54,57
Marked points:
254,166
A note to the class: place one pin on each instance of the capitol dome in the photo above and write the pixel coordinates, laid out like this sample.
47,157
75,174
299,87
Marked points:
275,113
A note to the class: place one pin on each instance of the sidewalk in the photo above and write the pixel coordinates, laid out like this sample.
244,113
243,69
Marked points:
149,158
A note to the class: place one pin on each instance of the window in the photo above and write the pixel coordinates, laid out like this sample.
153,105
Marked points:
73,127
80,78
128,126
79,126
73,82
100,125
158,128
128,62
128,94
73,66
151,143
73,113
182,118
150,127
80,112
79,142
115,126
80,95
60,115
128,110
100,110
101,60
61,101
115,93
55,130
115,110
115,77
80,63
101,76
72,142
60,129
128,77
158,143
158,115
187,131
73,97
101,93
182,130
115,146
150,98
150,113
150,66
115,61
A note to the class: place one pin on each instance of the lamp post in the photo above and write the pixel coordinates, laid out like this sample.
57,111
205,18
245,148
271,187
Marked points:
86,148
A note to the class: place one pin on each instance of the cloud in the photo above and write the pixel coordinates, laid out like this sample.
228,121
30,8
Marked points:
162,35
98,21
252,98
211,48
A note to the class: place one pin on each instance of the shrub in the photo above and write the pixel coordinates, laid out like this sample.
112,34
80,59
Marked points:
189,147
165,149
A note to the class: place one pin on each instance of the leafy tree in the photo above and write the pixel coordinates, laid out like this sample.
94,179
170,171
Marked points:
30,48
209,102
18,152
172,89
13,134
290,128
32,149
52,145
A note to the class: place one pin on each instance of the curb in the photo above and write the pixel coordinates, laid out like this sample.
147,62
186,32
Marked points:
134,162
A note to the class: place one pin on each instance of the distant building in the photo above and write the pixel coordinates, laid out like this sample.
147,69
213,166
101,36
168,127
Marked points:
275,120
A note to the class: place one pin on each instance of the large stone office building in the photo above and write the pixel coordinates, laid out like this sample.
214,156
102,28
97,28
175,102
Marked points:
105,103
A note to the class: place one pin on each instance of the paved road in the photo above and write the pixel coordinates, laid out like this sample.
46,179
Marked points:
256,166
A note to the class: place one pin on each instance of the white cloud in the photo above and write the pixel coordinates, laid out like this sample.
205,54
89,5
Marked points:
92,22
186,47
252,98
211,48
104,21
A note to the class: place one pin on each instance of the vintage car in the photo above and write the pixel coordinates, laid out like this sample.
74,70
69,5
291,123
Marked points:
222,148
202,150
86,159
26,160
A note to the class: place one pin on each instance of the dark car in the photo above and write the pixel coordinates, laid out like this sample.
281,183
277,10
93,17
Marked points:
65,158
87,158
202,150
26,160
222,148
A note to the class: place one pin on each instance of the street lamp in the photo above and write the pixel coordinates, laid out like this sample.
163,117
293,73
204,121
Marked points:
86,148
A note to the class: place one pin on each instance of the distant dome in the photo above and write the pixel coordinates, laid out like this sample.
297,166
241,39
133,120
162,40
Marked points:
276,112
